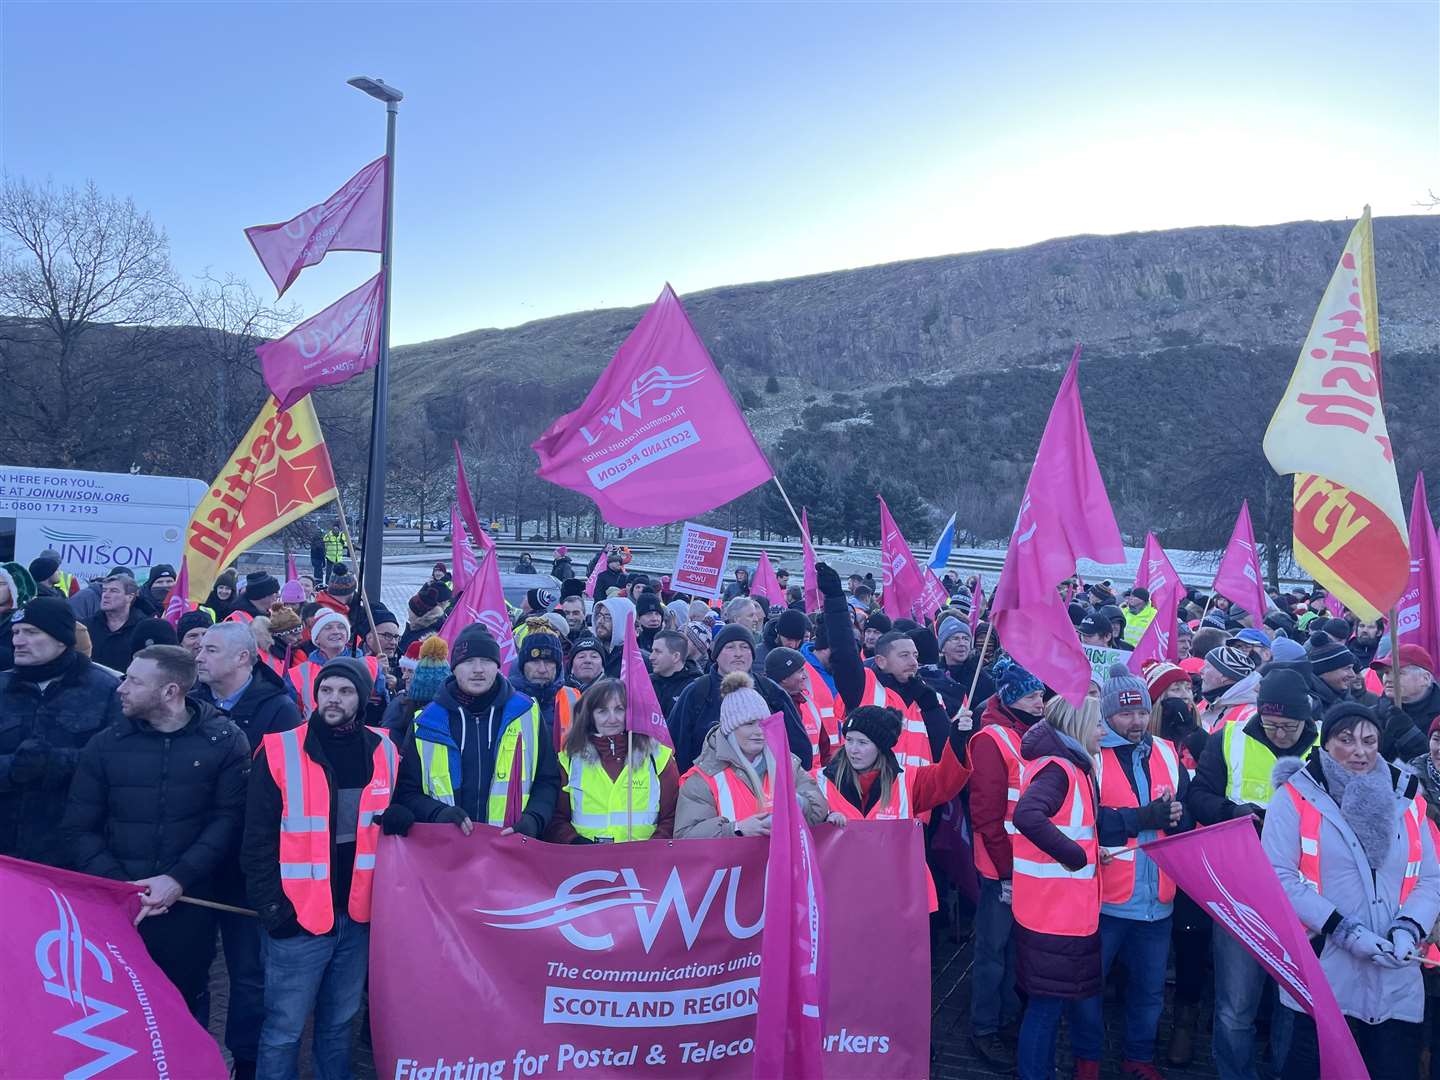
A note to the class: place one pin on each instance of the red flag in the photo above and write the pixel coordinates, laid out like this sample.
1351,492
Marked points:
82,996
467,505
1158,577
789,1031
328,348
813,600
659,439
908,594
483,601
178,602
977,606
1224,869
1418,614
1064,514
514,799
642,709
462,556
1239,579
765,583
353,219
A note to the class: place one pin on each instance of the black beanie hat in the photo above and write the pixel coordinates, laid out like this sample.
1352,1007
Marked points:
351,668
731,632
259,585
572,587
927,646
1344,716
792,624
647,603
879,724
152,632
474,641
782,662
193,620
42,567
1327,655
878,620
588,643
50,615
1282,694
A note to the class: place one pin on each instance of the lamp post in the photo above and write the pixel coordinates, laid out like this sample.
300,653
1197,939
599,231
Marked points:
372,552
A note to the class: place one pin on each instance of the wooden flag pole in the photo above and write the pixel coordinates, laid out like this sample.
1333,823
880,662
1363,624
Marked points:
629,785
980,662
218,907
1394,658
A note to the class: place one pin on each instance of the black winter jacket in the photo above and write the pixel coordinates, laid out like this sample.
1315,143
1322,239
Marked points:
54,725
609,579
669,687
697,710
266,706
1405,732
1205,799
146,803
113,648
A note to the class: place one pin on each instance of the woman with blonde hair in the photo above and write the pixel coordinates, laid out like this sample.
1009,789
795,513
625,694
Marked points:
608,796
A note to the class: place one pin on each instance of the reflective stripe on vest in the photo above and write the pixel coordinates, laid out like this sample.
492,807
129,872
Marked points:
815,730
1248,765
436,781
305,827
1008,743
734,801
1236,714
302,680
1047,897
913,748
599,806
896,808
1310,822
565,700
1117,877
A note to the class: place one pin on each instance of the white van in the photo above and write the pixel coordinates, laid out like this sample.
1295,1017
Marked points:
94,520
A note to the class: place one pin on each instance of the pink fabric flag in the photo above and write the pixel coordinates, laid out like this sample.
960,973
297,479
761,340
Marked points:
1418,610
907,593
600,564
813,600
463,561
329,348
292,573
1223,868
765,583
1064,514
178,602
1239,578
82,996
1335,607
514,794
1158,576
643,715
483,601
977,606
789,1031
467,505
659,439
353,219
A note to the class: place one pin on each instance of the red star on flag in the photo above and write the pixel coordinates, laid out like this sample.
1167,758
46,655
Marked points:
287,484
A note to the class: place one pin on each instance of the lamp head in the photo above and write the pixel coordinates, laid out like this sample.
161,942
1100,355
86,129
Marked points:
376,88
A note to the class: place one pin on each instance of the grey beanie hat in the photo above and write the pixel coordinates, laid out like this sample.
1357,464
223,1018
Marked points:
1122,690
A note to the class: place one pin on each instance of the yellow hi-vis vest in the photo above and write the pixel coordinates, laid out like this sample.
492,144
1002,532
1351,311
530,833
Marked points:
1248,765
436,781
598,804
1136,623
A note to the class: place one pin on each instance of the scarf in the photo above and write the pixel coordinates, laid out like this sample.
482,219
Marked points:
51,669
1367,803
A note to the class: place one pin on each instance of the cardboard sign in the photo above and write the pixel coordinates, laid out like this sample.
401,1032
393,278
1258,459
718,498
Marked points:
1101,659
700,563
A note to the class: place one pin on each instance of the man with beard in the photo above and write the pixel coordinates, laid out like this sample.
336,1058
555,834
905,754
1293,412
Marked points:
539,674
1366,640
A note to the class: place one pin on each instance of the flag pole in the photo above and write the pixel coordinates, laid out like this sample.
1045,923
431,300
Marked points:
1394,659
980,662
350,546
790,506
629,785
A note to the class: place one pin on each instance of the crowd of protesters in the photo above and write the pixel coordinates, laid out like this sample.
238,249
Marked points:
291,698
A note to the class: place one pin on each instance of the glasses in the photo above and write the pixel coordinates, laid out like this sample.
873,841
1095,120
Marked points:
388,637
1287,726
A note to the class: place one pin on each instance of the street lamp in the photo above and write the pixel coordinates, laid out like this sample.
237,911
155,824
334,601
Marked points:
372,550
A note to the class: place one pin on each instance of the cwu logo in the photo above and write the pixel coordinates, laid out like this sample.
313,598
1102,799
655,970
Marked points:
61,954
657,381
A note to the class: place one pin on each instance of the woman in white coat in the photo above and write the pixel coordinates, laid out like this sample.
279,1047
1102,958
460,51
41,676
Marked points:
1349,842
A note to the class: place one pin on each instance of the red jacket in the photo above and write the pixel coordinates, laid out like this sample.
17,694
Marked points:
988,783
934,784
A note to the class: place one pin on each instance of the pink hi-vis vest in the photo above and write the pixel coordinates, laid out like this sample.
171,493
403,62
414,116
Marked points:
1047,897
1117,877
1008,743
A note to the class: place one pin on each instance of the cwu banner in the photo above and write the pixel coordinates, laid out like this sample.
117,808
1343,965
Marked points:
83,998
608,958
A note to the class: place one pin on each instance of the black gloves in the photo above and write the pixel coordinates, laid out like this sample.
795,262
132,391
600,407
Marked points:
582,839
1155,815
396,820
923,694
828,580
27,764
529,825
451,815
960,741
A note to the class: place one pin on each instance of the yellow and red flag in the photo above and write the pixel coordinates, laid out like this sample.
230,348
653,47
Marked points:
1329,430
280,471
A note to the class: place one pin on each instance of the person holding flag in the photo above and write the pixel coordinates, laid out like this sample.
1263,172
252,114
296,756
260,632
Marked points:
617,785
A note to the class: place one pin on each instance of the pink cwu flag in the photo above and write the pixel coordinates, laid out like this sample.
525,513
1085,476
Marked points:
326,349
659,439
178,602
600,563
813,600
766,584
483,602
1064,514
977,606
1418,610
82,996
642,708
1239,578
467,505
353,219
1224,869
1158,576
789,1031
908,593
463,561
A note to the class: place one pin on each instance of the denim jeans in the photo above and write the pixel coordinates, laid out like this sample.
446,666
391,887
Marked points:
1240,984
992,977
1391,1050
240,938
324,973
1040,1030
1143,947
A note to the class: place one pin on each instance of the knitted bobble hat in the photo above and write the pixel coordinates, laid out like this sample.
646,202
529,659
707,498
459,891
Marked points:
740,702
431,670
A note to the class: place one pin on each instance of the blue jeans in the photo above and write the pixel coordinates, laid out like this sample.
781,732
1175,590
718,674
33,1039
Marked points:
324,973
1240,984
1040,1030
992,975
240,937
1145,948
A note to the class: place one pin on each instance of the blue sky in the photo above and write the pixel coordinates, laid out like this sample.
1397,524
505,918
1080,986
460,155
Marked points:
556,157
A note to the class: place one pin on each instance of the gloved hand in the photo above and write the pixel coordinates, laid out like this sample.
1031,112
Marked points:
1406,938
1362,942
1155,814
453,815
962,726
396,820
828,580
1007,892
528,825
27,764
582,839
923,695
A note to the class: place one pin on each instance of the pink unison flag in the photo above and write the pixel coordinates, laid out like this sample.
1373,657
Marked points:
483,601
463,561
765,583
82,996
813,600
178,602
643,715
1224,869
789,1030
337,344
659,438
1159,578
353,219
466,505
1418,610
1239,578
907,593
1064,514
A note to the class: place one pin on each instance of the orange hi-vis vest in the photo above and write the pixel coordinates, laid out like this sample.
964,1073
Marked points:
1311,818
734,800
1008,743
566,699
1117,876
1047,897
817,713
305,827
240,617
1236,714
913,749
895,808
275,663
301,677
